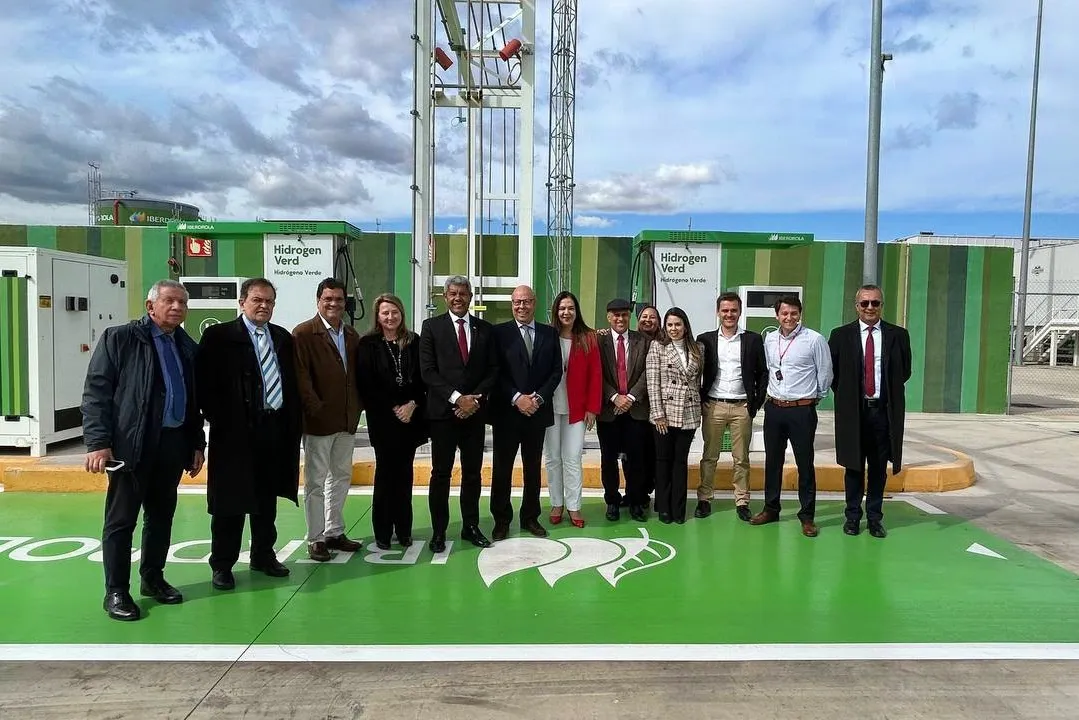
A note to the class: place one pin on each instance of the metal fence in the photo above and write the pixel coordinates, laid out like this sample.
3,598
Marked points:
1045,379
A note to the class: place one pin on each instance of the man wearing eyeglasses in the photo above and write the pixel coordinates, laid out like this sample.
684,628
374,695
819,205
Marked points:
871,362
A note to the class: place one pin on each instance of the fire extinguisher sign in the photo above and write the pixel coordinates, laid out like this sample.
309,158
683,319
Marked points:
198,247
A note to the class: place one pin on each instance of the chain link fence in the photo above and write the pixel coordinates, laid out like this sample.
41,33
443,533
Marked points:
1046,380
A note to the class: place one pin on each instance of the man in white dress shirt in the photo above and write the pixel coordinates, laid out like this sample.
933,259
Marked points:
799,375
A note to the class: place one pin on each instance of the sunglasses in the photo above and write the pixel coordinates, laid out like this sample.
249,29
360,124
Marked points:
869,303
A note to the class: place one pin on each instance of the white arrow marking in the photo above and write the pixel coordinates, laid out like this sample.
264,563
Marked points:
983,550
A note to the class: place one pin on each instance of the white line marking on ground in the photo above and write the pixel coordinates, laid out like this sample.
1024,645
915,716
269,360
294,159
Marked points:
923,505
549,653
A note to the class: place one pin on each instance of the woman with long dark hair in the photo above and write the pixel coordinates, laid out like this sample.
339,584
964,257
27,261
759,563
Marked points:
576,403
388,371
673,372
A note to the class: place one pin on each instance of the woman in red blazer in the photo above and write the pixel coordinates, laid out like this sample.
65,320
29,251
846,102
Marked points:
576,403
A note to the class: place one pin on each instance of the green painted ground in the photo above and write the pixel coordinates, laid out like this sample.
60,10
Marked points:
712,581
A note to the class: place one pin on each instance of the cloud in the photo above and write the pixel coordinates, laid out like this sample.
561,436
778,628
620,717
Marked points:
592,221
665,189
913,44
958,111
911,137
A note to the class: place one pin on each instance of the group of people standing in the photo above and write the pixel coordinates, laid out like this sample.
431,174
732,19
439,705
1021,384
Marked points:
540,386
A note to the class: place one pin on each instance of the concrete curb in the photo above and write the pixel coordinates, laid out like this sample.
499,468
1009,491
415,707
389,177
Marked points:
30,475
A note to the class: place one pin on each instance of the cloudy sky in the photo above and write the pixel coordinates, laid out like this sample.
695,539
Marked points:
725,113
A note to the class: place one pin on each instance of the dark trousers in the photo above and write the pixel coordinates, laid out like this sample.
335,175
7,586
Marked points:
391,506
649,468
508,436
672,470
876,451
618,436
799,426
226,531
447,437
151,486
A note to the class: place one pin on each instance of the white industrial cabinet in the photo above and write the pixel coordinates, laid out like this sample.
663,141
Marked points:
53,308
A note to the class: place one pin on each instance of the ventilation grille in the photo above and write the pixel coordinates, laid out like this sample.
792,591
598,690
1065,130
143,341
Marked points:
298,227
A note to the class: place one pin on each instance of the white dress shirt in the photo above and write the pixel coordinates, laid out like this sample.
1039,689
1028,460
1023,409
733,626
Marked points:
804,361
878,343
728,383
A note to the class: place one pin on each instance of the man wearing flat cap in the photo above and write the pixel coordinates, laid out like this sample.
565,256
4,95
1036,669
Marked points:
623,422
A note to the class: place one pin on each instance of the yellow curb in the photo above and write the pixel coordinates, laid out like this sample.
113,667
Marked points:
22,475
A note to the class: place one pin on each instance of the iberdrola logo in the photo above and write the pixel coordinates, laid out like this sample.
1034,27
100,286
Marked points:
613,559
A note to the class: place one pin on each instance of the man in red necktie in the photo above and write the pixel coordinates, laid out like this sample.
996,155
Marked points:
459,366
871,360
622,425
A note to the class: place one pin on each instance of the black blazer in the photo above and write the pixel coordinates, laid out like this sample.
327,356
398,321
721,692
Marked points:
376,376
848,380
518,375
443,371
754,367
636,376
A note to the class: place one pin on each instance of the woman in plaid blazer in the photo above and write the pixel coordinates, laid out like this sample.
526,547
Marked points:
673,372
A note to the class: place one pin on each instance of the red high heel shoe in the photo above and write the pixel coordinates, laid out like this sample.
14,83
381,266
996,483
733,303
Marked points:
577,521
556,518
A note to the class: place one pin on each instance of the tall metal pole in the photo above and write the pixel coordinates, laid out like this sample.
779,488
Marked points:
872,180
1021,305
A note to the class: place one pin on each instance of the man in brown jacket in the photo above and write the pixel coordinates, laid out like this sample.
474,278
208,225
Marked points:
326,373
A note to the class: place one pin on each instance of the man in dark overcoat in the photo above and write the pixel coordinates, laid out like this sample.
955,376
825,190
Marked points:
248,393
871,361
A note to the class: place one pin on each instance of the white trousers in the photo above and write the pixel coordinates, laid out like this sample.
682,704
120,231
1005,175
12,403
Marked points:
563,447
327,475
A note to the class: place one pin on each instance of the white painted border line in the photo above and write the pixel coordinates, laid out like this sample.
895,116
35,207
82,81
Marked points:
923,505
542,653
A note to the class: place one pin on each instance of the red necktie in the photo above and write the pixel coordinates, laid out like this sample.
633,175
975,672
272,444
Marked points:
870,365
462,341
621,363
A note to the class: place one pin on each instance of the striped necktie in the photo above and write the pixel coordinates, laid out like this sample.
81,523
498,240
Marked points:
271,376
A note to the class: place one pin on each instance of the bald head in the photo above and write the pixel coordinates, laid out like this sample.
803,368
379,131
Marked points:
524,304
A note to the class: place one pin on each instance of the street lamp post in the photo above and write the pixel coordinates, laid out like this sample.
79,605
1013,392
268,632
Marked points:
872,180
1024,259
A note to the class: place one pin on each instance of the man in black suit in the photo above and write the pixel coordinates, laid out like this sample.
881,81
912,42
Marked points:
530,359
138,408
623,426
459,366
733,388
871,360
247,390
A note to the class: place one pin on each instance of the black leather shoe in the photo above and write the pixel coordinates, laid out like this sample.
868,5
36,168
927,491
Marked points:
612,512
437,544
161,591
704,509
680,520
472,534
223,580
637,513
743,513
270,566
851,528
877,530
535,528
665,518
381,545
405,541
121,606
501,532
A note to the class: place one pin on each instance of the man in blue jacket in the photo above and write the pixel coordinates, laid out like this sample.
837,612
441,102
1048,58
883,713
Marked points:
141,424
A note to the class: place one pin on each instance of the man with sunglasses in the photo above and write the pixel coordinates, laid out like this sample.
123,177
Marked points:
871,362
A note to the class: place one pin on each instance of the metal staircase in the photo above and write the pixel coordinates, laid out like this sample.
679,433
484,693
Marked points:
1053,342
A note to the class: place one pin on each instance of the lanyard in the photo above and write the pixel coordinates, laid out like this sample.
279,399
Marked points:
779,344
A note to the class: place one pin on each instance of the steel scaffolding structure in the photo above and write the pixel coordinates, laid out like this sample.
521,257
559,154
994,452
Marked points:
560,147
474,65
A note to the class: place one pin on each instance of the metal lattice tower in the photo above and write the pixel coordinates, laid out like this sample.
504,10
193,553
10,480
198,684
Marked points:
474,79
93,191
560,147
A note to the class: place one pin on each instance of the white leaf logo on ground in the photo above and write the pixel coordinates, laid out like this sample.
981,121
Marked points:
613,559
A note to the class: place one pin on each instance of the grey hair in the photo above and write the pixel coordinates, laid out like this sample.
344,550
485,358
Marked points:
456,280
157,287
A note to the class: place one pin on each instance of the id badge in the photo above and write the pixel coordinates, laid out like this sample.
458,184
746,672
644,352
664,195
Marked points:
779,375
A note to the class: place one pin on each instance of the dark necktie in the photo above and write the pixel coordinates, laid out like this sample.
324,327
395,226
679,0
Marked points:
870,365
178,400
462,341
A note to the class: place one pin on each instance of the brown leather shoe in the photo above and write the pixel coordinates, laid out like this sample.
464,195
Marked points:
764,517
317,551
535,528
501,532
809,529
342,543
